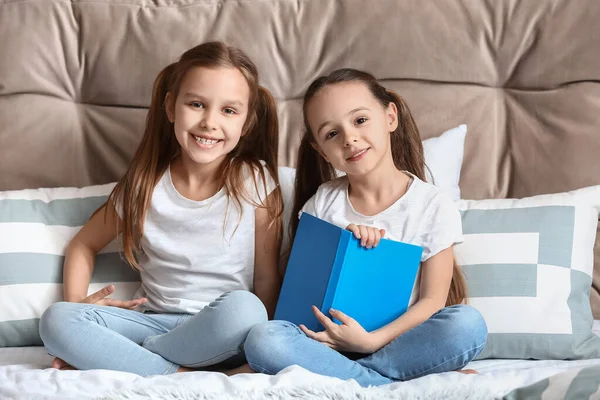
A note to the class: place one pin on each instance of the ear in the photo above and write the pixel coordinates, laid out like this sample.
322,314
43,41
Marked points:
391,113
170,107
314,146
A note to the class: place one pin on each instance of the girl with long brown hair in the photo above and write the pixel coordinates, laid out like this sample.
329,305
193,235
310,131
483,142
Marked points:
356,126
199,213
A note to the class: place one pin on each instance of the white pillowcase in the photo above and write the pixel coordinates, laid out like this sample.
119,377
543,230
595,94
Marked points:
444,157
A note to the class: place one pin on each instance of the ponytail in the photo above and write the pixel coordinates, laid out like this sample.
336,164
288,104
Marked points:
311,171
458,287
132,194
261,139
260,142
407,148
407,151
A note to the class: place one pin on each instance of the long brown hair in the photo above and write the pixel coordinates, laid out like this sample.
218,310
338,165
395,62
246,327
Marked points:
407,151
159,146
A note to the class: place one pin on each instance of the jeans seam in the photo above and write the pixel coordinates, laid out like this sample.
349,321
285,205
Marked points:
171,369
412,376
125,317
202,363
181,320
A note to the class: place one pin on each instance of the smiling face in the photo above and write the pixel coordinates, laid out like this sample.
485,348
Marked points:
209,113
351,128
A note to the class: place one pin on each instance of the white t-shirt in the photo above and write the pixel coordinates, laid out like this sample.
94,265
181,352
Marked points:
191,253
423,216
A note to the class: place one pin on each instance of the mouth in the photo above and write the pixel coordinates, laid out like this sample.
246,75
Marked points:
206,141
358,154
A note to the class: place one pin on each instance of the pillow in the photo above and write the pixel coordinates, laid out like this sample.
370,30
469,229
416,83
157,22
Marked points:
35,228
576,383
443,156
528,266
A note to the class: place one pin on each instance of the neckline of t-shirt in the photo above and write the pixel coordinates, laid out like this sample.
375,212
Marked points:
184,201
402,198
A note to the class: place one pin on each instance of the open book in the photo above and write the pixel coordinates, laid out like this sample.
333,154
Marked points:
329,268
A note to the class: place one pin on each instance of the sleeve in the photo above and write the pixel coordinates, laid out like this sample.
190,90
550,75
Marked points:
443,228
118,205
310,207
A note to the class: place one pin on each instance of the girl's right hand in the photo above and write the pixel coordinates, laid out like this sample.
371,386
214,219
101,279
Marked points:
100,299
368,236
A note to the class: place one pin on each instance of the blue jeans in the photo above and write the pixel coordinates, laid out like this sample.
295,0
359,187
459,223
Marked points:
447,341
89,336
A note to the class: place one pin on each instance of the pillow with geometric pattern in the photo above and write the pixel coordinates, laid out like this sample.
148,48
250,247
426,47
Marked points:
528,264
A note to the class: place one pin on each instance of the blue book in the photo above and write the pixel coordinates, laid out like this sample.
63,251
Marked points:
329,268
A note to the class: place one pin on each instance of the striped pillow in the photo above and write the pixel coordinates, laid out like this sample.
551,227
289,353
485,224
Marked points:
576,384
528,265
35,227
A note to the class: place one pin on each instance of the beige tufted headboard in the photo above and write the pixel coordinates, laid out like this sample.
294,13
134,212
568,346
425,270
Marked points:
76,77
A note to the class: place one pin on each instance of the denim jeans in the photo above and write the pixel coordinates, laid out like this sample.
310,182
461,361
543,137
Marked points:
89,336
447,341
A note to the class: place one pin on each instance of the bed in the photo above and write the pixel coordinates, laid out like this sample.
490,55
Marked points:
507,92
25,373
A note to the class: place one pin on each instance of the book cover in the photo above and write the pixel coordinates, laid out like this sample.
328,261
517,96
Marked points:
329,268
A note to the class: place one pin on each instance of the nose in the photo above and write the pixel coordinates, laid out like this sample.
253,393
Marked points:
208,120
350,137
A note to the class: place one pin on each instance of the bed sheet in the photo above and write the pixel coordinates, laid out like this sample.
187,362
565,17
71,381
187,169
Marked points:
25,373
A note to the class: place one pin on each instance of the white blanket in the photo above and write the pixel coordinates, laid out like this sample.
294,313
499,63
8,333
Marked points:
496,378
24,374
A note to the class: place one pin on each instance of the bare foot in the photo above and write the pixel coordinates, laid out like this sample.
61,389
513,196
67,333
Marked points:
184,369
467,371
244,369
62,365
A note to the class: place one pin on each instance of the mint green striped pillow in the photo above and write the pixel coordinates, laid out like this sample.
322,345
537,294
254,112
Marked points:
36,225
528,264
574,384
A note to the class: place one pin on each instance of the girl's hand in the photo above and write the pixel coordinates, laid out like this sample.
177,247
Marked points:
100,299
368,236
349,336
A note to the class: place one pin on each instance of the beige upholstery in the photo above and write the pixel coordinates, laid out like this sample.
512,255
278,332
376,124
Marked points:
76,76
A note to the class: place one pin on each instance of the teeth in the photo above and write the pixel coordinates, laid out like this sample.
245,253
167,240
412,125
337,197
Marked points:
359,153
205,141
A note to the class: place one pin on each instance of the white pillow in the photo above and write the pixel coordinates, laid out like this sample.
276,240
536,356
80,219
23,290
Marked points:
528,264
444,157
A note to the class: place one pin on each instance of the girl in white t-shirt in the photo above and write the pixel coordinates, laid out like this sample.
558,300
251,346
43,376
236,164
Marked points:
354,125
199,214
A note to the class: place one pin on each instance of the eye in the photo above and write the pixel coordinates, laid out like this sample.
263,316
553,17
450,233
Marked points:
229,111
361,120
330,135
196,104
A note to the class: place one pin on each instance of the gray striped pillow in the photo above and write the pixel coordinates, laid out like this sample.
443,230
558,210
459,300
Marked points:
528,266
574,384
35,227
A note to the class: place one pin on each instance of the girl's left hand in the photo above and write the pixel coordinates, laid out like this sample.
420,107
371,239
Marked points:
349,336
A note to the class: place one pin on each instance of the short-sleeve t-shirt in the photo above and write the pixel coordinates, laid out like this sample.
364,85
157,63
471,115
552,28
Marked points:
194,251
423,216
